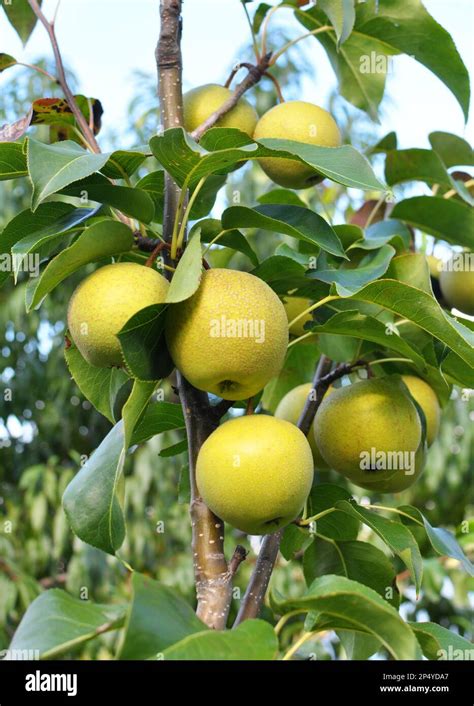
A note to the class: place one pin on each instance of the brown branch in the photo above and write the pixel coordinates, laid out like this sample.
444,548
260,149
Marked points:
62,80
255,594
213,576
257,587
255,73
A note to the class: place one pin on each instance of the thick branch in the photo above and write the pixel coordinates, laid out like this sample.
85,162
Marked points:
62,80
254,75
212,574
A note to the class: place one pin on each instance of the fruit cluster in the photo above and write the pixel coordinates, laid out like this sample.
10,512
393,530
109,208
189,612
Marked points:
230,339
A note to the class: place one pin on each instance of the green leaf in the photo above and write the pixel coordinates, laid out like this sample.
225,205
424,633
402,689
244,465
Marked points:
416,165
387,143
143,344
21,17
387,231
348,605
134,202
453,150
403,544
27,231
447,219
390,27
284,197
424,311
211,227
438,643
359,561
99,385
362,84
188,273
12,160
158,417
56,623
336,525
357,645
123,163
90,500
6,61
222,148
259,15
442,541
368,328
174,449
52,167
300,223
252,640
283,274
158,618
348,281
134,408
102,239
341,14
294,539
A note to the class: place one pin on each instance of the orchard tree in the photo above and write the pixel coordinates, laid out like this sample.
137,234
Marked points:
304,376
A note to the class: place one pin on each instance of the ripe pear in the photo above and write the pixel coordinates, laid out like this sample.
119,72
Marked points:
201,102
230,337
290,408
293,307
370,432
104,302
457,286
255,473
301,122
428,401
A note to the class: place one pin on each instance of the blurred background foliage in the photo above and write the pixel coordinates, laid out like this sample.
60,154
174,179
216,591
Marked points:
47,428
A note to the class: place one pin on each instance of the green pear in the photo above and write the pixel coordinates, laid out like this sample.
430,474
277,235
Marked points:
457,285
301,122
428,401
201,102
230,337
104,302
370,432
290,408
294,306
255,473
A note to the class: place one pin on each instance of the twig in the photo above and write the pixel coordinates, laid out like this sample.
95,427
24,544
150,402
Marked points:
311,406
71,101
255,73
257,587
276,83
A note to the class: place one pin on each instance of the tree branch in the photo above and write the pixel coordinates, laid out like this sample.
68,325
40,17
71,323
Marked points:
62,80
255,73
213,576
255,594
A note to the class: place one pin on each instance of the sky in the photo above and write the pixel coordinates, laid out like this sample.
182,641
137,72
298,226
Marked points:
103,41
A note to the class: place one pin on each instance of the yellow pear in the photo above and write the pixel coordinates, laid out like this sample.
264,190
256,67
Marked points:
398,481
301,122
434,265
103,303
201,102
294,306
428,401
230,337
255,473
290,408
370,432
456,280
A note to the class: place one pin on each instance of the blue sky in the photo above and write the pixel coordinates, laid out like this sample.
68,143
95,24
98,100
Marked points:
105,40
